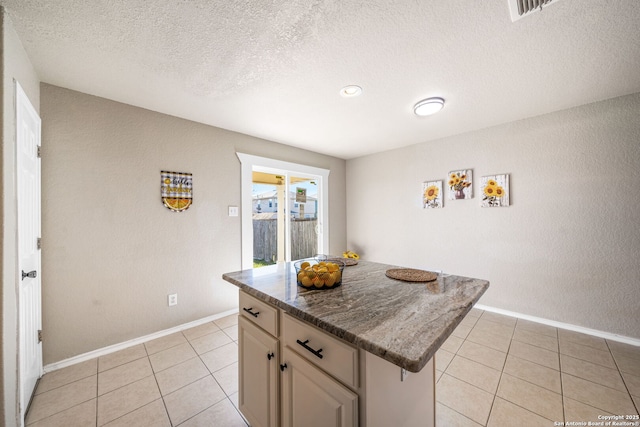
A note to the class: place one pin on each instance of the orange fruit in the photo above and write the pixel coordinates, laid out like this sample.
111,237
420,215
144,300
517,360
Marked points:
331,280
337,275
318,282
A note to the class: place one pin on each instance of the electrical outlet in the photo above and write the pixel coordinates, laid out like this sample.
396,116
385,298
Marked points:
173,299
233,211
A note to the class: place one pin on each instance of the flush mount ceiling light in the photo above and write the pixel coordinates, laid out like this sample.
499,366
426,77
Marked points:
351,91
428,106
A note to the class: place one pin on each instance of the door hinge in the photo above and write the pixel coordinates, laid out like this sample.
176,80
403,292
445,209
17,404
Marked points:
39,336
39,243
39,153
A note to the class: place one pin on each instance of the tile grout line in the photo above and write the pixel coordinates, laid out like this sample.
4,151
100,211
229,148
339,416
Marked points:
199,356
524,409
140,379
514,403
599,385
564,414
617,369
153,373
622,377
61,410
495,395
462,415
591,361
472,385
446,367
97,385
164,404
227,397
475,361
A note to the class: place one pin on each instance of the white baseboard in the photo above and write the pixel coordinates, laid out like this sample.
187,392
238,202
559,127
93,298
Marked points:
121,346
588,331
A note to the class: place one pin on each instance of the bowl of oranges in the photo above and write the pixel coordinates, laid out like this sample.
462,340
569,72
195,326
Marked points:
319,273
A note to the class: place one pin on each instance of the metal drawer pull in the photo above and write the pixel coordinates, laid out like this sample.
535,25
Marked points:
248,310
283,367
315,352
270,355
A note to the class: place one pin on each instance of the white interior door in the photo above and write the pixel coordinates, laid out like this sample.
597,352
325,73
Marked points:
28,167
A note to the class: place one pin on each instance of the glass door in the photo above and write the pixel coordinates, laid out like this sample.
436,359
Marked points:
304,217
284,211
268,216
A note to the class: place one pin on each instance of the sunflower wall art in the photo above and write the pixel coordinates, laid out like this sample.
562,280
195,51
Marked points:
432,194
495,191
460,184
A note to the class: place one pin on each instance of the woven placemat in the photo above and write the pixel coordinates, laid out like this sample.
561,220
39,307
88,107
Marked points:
347,261
411,275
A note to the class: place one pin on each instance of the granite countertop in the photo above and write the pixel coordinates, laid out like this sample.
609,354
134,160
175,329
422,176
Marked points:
404,323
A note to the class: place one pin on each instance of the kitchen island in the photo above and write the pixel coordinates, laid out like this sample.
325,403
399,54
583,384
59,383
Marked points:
350,348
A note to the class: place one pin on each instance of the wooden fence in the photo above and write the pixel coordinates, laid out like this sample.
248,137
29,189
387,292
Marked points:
304,240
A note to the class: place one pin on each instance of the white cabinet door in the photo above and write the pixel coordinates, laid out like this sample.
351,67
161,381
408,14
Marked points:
257,375
311,398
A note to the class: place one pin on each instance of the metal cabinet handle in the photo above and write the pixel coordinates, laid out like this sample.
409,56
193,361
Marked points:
315,352
32,274
248,310
283,367
270,355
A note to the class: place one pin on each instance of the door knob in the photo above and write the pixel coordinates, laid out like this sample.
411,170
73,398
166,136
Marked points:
31,274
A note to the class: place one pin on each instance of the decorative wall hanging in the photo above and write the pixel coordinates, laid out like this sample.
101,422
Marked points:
495,191
432,194
460,184
176,190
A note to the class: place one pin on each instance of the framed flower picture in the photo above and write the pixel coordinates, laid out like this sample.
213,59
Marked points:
460,184
432,194
495,191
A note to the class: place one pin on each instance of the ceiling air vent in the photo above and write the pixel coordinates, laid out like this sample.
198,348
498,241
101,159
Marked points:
521,8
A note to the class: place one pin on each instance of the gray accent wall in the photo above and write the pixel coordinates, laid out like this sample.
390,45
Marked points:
112,252
568,247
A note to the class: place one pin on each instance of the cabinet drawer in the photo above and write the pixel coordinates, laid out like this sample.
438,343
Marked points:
259,312
335,357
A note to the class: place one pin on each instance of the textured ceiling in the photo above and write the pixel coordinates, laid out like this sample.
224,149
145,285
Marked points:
273,69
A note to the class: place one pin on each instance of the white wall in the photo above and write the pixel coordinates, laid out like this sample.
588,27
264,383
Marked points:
111,251
15,66
567,249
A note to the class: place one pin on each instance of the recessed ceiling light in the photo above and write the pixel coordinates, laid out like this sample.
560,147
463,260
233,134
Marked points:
351,91
428,106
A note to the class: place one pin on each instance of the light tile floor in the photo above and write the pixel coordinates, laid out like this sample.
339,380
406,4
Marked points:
187,378
499,371
493,371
